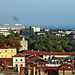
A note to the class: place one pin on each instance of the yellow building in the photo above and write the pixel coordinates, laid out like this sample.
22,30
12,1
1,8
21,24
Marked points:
7,52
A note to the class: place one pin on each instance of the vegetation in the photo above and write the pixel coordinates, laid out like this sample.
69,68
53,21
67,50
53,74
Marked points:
12,40
51,43
40,42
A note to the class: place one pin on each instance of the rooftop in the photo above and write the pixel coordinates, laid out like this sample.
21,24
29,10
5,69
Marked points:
6,47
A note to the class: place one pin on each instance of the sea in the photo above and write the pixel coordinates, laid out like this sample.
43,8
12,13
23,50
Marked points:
65,27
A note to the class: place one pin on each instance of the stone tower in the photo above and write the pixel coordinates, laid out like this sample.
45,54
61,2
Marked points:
24,44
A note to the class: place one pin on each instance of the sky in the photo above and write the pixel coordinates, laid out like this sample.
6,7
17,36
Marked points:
38,12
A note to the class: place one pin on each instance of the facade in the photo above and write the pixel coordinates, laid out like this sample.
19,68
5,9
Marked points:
16,31
34,29
24,44
4,32
32,63
7,52
46,29
19,60
72,35
59,55
60,31
12,27
38,33
66,69
60,35
68,32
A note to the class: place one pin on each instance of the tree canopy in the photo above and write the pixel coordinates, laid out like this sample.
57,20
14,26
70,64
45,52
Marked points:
51,43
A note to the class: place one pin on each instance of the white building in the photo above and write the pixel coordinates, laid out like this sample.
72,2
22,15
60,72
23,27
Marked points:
60,31
24,44
34,29
59,54
16,31
46,29
40,33
12,27
4,32
68,32
19,60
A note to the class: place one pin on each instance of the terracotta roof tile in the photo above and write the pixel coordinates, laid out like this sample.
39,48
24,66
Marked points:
6,61
6,47
59,58
33,59
50,70
19,55
67,67
47,53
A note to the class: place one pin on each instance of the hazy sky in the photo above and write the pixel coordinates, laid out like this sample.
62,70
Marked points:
38,12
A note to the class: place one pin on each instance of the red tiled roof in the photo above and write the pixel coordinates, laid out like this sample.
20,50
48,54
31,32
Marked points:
6,61
25,69
67,67
6,47
19,55
60,53
50,70
35,52
59,58
33,59
47,53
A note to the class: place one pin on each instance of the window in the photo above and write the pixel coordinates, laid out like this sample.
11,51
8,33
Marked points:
1,55
2,51
5,55
5,50
16,59
20,59
11,50
45,58
16,65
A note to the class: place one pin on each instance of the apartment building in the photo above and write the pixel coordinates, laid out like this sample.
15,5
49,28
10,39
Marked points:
7,52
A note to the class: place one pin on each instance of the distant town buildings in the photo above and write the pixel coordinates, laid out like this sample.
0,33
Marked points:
68,32
60,31
16,31
24,44
60,35
46,29
12,27
40,33
34,29
4,32
72,35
